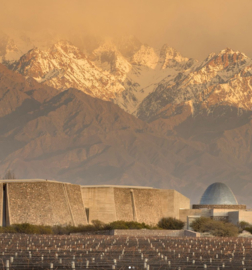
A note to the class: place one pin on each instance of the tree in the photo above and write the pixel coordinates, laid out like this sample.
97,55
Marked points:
9,175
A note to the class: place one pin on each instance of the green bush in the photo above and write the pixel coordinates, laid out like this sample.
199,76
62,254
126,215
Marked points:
60,230
121,224
27,228
198,225
222,229
99,225
44,229
171,224
8,229
243,225
116,225
57,229
31,229
137,225
214,227
248,229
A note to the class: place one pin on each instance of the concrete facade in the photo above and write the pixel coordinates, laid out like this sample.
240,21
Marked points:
124,204
237,216
231,215
139,204
184,213
99,202
43,202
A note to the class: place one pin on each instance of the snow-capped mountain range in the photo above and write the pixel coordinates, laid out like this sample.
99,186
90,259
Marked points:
63,66
223,79
197,115
140,79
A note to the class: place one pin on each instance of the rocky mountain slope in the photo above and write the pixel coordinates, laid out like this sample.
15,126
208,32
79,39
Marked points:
74,137
193,127
223,79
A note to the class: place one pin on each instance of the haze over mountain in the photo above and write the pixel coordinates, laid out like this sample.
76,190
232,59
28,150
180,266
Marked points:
195,28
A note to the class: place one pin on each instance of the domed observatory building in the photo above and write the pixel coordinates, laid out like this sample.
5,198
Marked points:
218,196
217,202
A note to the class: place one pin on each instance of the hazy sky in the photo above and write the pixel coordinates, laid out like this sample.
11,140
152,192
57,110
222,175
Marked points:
193,27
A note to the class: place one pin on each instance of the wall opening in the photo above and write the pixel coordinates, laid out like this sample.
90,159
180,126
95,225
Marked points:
5,219
87,214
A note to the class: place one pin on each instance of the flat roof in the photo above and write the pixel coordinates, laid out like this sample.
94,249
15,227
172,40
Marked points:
83,186
114,186
29,180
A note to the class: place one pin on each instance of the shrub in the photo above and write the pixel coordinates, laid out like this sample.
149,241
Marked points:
60,230
215,227
248,229
222,229
171,224
85,228
44,230
137,225
25,228
198,225
30,229
243,225
8,229
99,225
121,224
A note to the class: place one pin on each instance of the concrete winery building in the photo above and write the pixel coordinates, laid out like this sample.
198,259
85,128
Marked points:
47,202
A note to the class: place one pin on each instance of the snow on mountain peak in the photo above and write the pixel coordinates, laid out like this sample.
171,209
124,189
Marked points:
63,66
170,58
131,74
170,53
68,49
108,58
229,51
145,56
223,79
